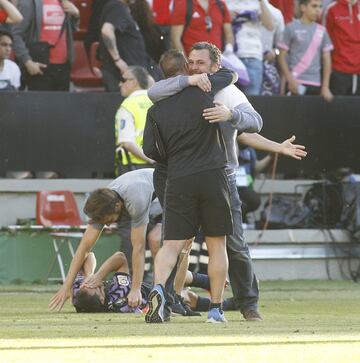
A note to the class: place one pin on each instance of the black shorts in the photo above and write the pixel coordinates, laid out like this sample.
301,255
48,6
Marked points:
159,180
198,199
342,84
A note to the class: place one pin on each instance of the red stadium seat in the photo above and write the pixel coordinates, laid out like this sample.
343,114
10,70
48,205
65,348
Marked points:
82,74
58,209
95,64
54,208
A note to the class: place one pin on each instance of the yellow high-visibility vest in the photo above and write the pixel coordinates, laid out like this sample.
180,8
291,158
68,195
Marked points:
138,106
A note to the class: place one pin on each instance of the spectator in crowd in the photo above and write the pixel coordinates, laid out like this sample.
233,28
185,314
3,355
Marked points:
130,119
270,38
248,16
287,8
9,14
130,197
343,24
43,43
93,30
92,294
153,37
121,44
201,20
305,52
162,16
9,71
249,166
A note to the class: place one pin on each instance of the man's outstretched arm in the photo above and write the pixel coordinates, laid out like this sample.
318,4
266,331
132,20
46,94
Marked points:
90,237
262,143
138,240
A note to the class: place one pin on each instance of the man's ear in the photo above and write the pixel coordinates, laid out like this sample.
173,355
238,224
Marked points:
118,206
214,67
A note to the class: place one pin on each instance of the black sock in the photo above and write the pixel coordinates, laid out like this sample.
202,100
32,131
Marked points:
200,280
216,306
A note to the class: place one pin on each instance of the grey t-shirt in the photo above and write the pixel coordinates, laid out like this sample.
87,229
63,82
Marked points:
305,44
136,188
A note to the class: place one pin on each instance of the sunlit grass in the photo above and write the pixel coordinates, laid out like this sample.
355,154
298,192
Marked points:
315,321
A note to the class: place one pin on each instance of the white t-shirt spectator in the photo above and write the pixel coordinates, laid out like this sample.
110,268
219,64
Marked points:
9,75
248,37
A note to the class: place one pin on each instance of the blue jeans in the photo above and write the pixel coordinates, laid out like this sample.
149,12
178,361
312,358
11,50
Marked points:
241,271
254,68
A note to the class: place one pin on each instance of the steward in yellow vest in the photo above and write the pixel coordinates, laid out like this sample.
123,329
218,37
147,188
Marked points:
130,120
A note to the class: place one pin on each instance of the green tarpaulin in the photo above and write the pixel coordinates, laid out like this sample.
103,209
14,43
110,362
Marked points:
29,256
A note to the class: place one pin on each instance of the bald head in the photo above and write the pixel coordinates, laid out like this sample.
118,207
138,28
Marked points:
173,63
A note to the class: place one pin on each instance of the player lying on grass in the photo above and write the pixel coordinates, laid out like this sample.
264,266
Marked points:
91,293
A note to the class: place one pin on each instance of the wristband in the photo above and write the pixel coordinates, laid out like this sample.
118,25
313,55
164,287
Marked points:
116,60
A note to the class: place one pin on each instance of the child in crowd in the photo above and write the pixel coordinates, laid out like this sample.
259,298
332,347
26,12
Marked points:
305,51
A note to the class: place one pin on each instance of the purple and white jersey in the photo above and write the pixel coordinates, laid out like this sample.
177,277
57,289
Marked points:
305,44
116,292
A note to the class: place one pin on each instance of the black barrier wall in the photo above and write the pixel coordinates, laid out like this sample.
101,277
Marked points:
73,133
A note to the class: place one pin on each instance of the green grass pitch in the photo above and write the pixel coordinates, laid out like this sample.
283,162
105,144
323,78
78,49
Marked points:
304,321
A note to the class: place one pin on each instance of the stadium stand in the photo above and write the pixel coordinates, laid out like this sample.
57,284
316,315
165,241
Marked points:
277,254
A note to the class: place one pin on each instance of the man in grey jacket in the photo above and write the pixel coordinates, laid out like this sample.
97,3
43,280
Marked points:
52,22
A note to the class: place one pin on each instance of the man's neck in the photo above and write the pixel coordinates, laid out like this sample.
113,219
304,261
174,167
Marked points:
136,90
204,4
305,20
